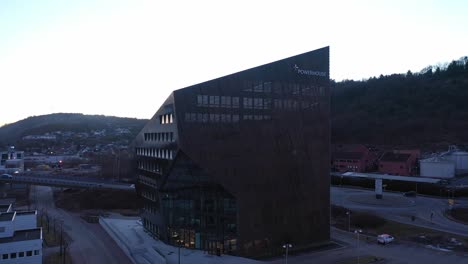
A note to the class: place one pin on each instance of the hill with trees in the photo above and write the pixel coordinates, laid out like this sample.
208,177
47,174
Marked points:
38,125
412,109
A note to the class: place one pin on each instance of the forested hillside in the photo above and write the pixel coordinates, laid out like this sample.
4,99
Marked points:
37,125
423,108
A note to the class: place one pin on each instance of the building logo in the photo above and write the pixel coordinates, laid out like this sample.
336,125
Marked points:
309,72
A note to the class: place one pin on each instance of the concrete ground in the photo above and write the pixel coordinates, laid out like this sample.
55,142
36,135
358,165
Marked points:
143,249
130,235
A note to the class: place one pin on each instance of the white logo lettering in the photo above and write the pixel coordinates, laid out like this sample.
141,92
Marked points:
309,72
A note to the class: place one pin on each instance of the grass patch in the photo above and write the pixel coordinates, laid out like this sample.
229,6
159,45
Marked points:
460,214
102,199
50,235
55,258
362,259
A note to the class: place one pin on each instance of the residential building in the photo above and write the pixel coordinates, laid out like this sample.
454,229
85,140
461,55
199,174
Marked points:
353,157
239,164
399,162
20,238
11,161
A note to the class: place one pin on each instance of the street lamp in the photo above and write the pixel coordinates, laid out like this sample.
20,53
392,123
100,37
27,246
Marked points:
180,242
348,213
287,247
358,232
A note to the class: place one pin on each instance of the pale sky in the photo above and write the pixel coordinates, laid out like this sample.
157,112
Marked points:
123,58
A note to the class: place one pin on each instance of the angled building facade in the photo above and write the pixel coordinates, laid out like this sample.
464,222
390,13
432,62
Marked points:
240,164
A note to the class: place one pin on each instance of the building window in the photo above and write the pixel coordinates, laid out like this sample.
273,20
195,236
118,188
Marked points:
258,103
13,255
235,102
166,119
226,101
21,254
29,253
5,256
214,101
36,252
248,103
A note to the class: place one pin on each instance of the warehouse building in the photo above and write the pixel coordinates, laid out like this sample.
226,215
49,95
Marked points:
437,167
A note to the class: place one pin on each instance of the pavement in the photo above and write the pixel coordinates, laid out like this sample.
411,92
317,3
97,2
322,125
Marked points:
90,243
428,211
143,249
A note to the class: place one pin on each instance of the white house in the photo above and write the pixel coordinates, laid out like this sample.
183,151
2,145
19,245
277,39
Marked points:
20,238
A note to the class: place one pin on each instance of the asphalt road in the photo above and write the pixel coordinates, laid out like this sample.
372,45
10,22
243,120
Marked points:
393,253
91,244
421,207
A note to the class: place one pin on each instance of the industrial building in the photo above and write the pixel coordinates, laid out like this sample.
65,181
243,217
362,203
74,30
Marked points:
20,238
437,167
445,165
240,164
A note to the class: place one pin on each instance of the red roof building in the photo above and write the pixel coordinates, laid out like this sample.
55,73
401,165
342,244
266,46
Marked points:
399,162
358,158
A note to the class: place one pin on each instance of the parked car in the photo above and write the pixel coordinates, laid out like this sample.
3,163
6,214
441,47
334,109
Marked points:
384,239
6,176
410,194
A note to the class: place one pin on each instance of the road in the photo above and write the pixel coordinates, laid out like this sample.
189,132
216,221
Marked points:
90,244
393,254
422,207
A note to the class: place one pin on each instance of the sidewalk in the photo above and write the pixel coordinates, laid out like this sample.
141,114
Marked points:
129,234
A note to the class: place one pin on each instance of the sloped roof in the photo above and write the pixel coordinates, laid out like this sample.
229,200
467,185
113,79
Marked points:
395,157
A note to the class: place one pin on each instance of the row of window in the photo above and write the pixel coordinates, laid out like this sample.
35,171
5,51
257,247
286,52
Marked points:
155,153
14,255
262,87
150,166
349,161
159,136
253,102
166,119
285,89
221,118
294,104
149,195
147,181
256,103
217,101
150,209
211,118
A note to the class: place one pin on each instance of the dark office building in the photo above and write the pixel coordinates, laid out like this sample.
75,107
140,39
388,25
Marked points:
240,164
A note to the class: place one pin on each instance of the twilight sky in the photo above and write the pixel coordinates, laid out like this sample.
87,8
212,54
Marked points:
123,58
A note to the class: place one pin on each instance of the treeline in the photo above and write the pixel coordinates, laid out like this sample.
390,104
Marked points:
422,108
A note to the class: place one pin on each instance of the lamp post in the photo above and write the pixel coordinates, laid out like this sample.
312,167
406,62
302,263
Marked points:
179,243
348,213
287,247
358,232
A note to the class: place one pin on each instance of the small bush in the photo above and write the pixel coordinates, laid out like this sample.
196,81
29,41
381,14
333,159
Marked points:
366,220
